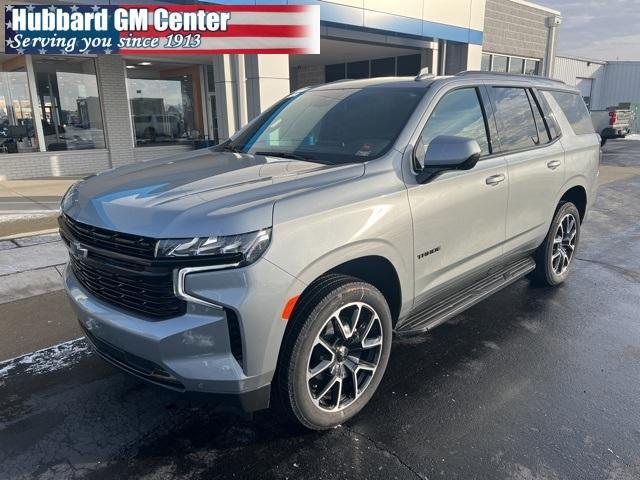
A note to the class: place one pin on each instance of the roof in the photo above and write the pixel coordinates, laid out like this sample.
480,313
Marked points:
384,82
536,6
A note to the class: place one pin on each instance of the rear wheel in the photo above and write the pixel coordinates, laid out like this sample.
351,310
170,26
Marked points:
336,353
555,256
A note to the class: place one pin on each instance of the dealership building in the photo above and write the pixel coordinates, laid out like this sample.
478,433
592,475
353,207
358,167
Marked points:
75,115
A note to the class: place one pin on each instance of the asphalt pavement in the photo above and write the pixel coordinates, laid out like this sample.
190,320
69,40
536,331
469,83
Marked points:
531,384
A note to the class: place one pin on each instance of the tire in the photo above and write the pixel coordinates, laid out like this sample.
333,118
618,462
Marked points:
555,257
315,345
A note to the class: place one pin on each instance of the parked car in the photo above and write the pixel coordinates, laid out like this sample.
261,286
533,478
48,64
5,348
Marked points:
277,267
150,127
613,122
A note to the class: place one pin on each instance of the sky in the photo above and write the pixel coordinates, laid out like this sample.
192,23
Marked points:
598,29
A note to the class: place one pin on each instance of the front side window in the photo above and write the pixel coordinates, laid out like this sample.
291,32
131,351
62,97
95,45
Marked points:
166,105
459,114
69,103
516,124
330,126
575,110
17,133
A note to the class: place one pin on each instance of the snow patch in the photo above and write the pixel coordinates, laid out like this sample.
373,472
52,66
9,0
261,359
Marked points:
7,217
46,360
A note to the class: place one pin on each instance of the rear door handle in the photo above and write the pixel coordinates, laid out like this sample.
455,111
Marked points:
494,180
553,164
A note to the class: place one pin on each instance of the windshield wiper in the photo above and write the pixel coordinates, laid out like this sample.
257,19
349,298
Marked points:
292,156
231,148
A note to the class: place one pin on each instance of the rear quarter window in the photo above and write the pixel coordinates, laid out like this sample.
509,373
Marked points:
575,110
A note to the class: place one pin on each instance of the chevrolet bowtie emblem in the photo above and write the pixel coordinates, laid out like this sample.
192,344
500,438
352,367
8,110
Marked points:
78,250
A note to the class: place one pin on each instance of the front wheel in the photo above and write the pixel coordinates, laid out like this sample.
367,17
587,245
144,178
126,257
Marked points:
336,352
556,254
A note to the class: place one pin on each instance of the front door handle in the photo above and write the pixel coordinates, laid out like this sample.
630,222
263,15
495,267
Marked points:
553,164
494,180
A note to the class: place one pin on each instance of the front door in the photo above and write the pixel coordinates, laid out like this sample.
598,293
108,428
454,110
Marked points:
459,217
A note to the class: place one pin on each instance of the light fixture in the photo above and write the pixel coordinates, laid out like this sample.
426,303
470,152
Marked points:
144,64
131,66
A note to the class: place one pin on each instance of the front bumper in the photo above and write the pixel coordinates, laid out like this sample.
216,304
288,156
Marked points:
193,352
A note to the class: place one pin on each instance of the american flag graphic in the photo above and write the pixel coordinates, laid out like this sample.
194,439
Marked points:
249,29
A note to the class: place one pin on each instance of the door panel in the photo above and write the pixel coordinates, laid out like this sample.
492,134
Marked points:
462,217
459,216
535,178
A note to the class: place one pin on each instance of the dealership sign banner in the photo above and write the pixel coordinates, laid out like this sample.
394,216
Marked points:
162,29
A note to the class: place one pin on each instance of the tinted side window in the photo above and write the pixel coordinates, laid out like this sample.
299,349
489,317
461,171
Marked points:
516,124
459,113
575,110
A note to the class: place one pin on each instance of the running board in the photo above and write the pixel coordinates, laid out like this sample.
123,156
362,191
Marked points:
433,315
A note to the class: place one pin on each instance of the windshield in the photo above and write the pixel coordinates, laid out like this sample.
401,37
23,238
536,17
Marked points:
330,126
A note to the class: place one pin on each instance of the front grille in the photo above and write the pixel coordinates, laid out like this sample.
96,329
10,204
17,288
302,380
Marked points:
121,243
149,293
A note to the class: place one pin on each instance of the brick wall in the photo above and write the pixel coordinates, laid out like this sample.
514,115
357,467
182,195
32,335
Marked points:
15,166
512,28
306,76
151,153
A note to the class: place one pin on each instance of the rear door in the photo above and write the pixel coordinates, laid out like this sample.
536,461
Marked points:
535,162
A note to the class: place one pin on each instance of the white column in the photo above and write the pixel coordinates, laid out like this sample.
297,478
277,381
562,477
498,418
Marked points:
267,81
226,110
429,58
474,57
35,103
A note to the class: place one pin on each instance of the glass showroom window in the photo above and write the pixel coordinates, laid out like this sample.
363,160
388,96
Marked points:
166,103
69,103
17,134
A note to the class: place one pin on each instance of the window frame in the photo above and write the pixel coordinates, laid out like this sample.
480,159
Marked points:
485,114
35,100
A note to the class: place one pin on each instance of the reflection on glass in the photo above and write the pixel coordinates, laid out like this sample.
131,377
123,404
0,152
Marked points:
331,126
516,65
459,114
17,134
515,119
486,62
69,103
531,67
166,105
499,63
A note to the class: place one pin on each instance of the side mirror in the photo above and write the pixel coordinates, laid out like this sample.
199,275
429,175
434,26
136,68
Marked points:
447,152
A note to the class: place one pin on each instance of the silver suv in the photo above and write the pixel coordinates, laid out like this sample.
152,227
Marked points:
277,267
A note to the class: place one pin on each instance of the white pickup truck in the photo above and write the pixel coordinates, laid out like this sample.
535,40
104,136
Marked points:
613,122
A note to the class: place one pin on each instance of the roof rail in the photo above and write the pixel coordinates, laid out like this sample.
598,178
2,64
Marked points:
507,74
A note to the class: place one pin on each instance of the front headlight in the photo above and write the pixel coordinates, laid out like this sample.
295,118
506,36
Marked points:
246,248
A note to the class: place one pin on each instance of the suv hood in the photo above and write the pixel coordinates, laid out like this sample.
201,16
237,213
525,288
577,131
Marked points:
200,194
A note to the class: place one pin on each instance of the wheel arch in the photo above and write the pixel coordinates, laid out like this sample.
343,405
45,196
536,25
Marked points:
576,194
374,268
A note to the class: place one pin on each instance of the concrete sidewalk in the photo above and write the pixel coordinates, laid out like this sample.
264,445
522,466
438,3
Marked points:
34,310
28,206
31,266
